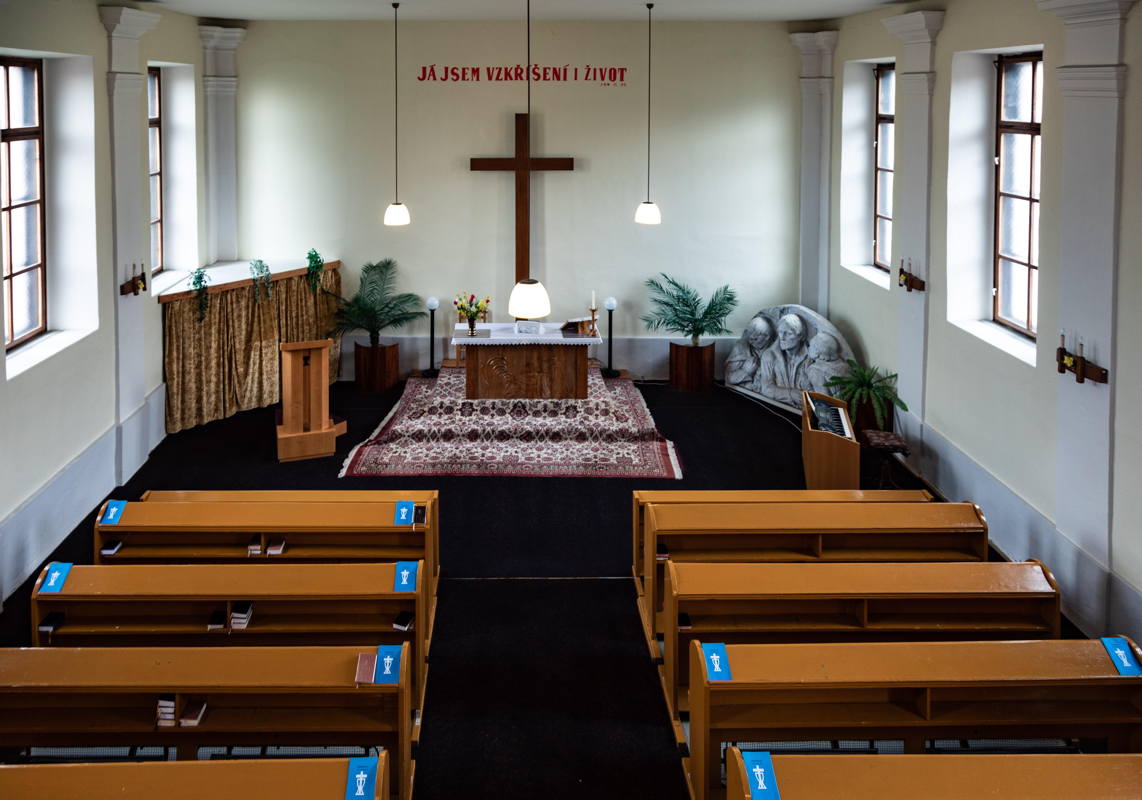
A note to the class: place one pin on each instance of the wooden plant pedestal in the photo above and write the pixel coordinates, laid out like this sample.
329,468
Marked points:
691,368
376,368
306,430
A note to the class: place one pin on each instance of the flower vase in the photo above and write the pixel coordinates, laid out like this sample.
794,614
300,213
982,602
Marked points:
471,326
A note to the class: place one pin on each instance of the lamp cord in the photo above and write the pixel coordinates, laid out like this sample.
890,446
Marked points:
649,6
396,113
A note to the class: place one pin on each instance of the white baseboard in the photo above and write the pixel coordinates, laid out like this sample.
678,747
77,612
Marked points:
140,433
1096,600
30,533
646,357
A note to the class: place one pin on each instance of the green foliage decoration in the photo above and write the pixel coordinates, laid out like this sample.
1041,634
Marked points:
374,307
315,265
263,282
866,385
198,281
679,309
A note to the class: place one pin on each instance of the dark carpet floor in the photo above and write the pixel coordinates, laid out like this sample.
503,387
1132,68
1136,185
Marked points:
537,688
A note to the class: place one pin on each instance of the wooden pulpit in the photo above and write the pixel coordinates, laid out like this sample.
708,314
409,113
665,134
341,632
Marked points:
306,429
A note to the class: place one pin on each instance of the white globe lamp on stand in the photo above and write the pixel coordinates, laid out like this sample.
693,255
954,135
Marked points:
610,372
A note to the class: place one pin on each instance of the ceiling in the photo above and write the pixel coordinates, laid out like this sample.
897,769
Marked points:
609,10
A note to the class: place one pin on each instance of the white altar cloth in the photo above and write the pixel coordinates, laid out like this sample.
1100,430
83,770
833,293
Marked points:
503,333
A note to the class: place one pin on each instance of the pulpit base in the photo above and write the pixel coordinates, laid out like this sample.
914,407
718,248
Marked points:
310,444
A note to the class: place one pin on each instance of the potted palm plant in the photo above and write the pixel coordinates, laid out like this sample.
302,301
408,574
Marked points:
679,309
870,394
373,308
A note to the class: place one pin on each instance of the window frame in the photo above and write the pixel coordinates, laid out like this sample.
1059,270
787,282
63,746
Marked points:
23,134
156,122
878,119
1034,130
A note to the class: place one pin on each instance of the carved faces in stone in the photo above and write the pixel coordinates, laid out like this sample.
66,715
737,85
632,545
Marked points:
784,350
790,332
760,333
745,358
824,362
824,347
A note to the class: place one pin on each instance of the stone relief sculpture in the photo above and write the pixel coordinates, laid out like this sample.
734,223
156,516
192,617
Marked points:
784,350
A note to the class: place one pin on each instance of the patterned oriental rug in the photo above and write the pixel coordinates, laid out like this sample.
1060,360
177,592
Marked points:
434,430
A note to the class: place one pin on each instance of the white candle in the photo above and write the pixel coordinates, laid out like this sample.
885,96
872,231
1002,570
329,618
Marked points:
592,298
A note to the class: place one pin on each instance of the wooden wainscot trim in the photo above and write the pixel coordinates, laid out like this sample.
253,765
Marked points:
225,287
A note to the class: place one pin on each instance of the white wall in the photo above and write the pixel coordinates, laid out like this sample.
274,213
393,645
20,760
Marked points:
988,432
59,446
1126,544
45,422
315,156
861,308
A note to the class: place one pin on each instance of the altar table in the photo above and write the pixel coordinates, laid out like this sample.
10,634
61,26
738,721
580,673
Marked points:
502,364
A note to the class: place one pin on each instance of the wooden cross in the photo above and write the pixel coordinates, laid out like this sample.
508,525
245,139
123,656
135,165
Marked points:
522,164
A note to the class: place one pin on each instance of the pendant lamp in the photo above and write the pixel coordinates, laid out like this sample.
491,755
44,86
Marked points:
647,212
397,212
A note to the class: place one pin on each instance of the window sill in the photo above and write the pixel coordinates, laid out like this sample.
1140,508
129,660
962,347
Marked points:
871,274
1000,337
167,279
40,350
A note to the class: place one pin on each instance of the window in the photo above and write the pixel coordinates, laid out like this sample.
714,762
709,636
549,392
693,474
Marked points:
1019,112
884,160
22,200
155,164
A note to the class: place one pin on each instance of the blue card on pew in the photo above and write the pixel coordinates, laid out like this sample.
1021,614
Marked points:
759,770
388,663
114,512
55,577
404,576
361,781
404,512
1122,655
717,662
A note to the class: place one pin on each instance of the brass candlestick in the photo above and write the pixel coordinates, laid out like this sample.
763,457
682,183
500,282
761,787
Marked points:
594,329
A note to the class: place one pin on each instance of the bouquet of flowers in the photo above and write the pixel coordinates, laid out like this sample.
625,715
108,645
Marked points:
470,307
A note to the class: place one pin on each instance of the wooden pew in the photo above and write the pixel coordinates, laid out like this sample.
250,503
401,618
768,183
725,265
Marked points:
841,531
942,777
780,603
219,531
293,604
913,691
255,696
281,779
642,498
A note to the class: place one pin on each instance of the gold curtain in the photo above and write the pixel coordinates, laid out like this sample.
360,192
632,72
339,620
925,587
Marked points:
230,362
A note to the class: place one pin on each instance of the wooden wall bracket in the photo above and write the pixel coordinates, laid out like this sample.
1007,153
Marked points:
135,284
908,280
1084,370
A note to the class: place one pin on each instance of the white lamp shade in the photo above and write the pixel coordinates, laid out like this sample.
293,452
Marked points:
648,214
610,304
529,300
432,303
397,214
